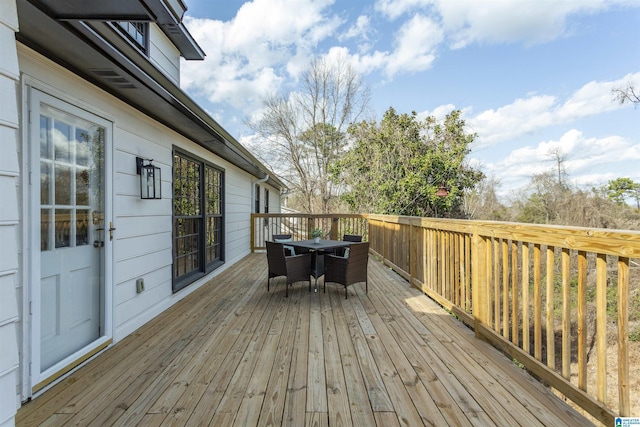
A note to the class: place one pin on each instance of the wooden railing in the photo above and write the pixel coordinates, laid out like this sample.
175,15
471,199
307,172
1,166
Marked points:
264,226
555,299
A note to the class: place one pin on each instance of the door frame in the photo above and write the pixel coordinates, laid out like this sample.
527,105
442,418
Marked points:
33,382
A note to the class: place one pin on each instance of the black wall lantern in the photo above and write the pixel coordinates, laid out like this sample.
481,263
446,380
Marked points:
150,187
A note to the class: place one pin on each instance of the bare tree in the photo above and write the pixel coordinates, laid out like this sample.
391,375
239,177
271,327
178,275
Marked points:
559,158
305,131
626,94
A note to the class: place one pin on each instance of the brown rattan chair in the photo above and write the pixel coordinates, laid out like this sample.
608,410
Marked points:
348,270
295,268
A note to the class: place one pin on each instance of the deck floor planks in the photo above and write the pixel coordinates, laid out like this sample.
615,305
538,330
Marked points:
316,375
134,403
455,400
360,405
527,391
252,360
218,345
296,399
239,333
336,388
489,394
385,358
272,408
439,405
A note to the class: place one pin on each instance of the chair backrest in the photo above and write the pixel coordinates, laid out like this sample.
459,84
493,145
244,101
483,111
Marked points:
275,258
281,237
352,238
358,254
357,263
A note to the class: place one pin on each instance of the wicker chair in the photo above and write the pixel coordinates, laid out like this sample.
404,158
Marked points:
296,268
349,270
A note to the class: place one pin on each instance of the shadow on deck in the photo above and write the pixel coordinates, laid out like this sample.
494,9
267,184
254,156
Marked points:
233,354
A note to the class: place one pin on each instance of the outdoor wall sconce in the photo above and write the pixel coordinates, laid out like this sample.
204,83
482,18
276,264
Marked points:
150,187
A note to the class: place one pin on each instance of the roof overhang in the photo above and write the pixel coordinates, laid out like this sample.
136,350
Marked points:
166,13
95,51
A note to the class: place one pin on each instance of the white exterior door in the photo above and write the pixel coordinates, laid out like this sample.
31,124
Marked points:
68,204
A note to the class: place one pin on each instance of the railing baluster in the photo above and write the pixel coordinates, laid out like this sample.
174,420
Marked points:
601,325
566,313
623,337
550,326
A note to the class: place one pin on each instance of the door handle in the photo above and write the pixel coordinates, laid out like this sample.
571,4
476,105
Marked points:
111,230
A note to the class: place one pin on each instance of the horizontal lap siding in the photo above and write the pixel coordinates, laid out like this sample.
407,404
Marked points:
9,208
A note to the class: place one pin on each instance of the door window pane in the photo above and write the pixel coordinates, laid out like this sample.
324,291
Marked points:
82,227
45,182
63,185
45,220
63,228
83,138
62,141
45,137
82,187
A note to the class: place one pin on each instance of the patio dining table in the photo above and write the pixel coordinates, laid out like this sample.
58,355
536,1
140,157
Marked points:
320,248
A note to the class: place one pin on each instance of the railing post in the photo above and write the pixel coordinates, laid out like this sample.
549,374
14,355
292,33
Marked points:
334,228
253,234
479,284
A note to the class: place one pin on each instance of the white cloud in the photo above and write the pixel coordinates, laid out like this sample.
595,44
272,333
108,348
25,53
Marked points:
522,21
582,157
530,114
415,46
360,29
395,8
257,51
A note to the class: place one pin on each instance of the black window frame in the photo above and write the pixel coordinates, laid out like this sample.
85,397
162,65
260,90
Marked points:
266,200
198,222
137,33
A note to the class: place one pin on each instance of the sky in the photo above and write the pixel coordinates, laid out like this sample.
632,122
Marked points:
531,77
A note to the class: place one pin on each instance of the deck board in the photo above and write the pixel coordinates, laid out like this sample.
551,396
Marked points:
232,353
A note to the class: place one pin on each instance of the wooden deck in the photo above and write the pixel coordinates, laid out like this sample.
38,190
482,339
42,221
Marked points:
233,354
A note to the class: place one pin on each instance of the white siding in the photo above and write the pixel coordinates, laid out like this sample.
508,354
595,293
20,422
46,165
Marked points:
164,54
142,245
9,217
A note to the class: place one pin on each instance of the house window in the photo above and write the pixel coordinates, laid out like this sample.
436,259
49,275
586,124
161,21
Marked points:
136,32
266,200
198,218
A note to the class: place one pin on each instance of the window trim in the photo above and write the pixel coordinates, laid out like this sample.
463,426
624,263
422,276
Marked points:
204,268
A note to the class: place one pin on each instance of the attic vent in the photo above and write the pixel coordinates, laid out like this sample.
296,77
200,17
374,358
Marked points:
112,78
104,72
172,28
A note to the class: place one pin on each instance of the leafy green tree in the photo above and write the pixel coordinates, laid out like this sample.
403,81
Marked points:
621,188
398,165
